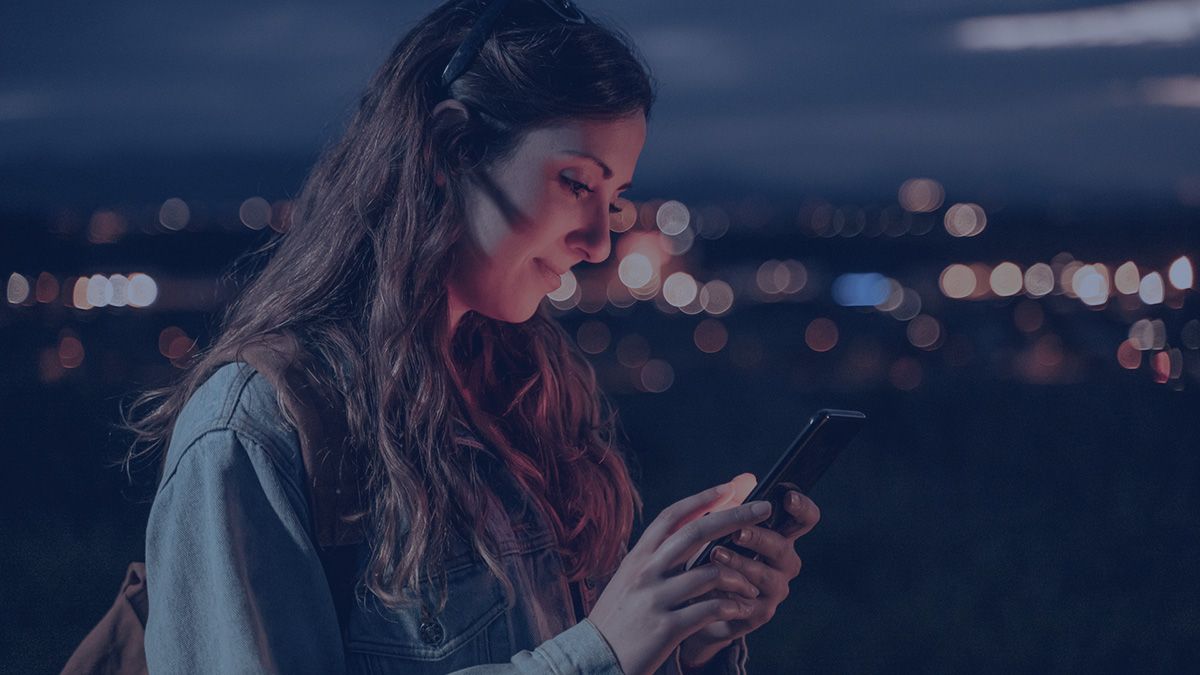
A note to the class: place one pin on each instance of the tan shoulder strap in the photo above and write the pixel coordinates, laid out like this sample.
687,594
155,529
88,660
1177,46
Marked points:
334,492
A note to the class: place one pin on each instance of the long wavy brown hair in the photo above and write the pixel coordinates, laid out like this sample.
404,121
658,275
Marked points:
360,279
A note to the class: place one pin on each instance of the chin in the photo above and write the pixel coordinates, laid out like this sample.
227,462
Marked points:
514,313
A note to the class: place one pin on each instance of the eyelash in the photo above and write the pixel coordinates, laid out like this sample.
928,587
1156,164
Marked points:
576,187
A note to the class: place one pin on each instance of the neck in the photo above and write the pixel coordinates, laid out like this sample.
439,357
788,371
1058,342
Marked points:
455,310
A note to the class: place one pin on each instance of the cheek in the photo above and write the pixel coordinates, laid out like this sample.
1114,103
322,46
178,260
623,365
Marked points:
509,277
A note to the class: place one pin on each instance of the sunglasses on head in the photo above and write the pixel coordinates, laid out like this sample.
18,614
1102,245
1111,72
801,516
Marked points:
466,52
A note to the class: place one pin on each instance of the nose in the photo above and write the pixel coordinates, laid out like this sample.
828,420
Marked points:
593,238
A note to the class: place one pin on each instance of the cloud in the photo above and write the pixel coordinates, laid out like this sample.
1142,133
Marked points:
1129,24
1182,91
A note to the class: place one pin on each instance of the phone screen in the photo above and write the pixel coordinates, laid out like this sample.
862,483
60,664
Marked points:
798,468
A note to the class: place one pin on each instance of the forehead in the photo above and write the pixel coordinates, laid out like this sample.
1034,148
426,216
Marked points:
617,143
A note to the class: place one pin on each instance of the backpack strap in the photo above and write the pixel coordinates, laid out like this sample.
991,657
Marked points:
115,644
335,497
334,493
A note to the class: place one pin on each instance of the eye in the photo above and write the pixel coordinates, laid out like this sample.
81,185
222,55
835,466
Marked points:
577,188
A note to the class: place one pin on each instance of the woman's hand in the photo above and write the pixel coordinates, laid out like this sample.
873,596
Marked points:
770,575
644,610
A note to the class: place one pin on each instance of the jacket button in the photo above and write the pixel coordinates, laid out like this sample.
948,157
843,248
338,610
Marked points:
432,632
589,582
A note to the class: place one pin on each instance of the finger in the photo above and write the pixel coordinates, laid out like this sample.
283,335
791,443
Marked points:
770,581
700,580
683,544
695,616
681,512
720,631
803,515
743,484
776,549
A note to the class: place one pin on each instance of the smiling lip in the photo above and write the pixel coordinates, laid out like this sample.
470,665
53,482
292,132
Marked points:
552,269
553,279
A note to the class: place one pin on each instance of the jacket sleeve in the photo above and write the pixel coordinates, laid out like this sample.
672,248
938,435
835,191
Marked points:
234,582
578,650
729,661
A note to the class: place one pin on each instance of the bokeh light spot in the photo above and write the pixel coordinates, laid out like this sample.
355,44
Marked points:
1128,355
921,195
1151,289
1005,279
657,376
965,220
710,336
672,217
636,270
593,336
1127,278
716,297
1090,283
143,290
821,335
18,288
174,214
1039,280
957,281
924,332
46,288
70,352
255,213
633,350
679,289
567,287
1180,273
625,218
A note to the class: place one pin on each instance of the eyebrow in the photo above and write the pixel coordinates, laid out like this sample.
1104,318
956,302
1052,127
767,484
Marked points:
608,173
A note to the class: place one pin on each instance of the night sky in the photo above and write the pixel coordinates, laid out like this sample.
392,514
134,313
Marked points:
1022,97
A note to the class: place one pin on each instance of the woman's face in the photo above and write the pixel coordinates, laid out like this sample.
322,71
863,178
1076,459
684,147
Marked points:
559,183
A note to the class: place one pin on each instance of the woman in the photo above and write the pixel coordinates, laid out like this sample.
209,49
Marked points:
485,159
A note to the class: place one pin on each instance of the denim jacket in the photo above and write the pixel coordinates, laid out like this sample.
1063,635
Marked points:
236,584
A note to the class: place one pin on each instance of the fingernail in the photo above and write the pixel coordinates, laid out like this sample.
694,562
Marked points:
742,536
793,499
721,555
761,508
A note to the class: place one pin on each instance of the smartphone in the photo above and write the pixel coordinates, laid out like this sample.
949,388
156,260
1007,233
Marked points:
813,451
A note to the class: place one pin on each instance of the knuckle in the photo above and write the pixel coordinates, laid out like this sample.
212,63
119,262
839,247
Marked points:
814,512
747,609
748,536
780,588
731,609
762,578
